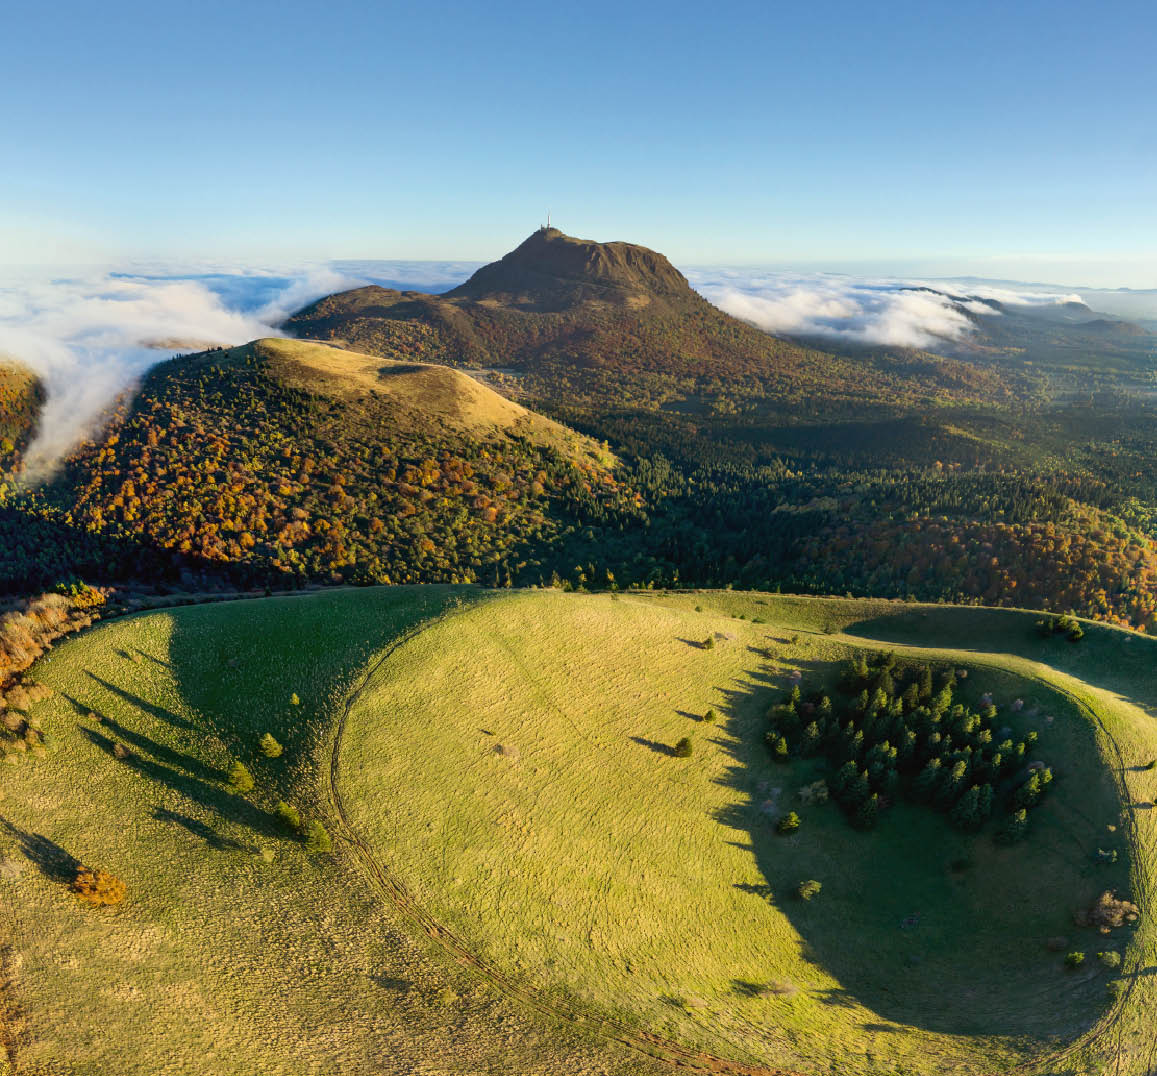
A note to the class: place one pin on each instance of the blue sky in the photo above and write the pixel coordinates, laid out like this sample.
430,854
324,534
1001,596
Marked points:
1014,140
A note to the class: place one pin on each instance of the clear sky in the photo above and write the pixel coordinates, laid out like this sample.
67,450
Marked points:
1012,139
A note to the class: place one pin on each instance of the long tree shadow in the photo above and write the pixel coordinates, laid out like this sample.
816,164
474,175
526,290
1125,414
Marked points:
150,708
169,755
312,647
654,745
228,805
46,855
199,829
893,925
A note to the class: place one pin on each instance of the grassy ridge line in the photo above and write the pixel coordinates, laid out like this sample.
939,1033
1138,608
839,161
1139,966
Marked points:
584,1017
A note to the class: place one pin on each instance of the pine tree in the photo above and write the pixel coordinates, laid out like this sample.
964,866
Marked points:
867,812
684,748
925,689
1028,793
843,780
952,784
859,790
268,746
240,777
780,751
984,801
926,783
966,813
1014,828
810,740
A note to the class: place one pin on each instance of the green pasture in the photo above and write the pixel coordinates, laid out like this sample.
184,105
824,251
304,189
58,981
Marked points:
506,766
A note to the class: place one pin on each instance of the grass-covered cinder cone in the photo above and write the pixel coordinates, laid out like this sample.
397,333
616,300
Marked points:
509,777
601,874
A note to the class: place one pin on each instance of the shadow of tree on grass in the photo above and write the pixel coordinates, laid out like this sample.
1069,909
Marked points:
46,855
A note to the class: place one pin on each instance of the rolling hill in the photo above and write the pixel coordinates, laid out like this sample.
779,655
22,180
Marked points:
288,459
526,877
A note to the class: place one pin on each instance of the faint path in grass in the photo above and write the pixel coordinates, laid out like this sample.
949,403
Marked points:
586,1018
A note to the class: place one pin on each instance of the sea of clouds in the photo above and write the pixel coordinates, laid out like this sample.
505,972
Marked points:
894,313
90,334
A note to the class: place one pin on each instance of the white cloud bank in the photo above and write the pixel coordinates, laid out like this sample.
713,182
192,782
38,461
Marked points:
888,312
91,335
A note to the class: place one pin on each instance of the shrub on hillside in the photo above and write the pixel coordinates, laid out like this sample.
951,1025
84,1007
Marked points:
1107,913
80,595
1074,959
98,887
317,838
807,890
240,777
789,823
816,792
710,717
684,748
1109,958
288,816
268,746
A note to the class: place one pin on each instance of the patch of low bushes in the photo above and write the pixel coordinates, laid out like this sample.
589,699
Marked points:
789,823
98,887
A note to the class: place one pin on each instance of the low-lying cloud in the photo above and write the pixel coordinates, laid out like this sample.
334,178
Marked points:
888,312
91,335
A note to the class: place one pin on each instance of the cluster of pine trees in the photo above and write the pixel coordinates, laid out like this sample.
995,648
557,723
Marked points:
896,734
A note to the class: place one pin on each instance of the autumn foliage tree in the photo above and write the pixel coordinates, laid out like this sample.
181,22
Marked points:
98,887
